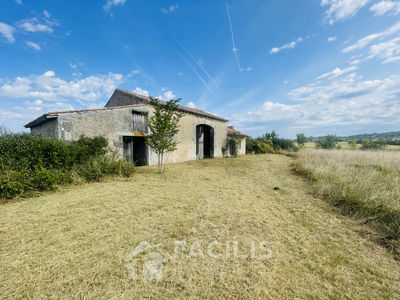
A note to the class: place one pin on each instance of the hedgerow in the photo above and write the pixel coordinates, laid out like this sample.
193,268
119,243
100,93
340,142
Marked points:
35,163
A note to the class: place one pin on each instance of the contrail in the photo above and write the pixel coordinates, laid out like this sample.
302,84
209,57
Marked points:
197,74
197,63
234,48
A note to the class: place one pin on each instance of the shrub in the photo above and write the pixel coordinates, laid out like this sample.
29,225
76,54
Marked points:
352,144
35,163
368,144
233,143
327,142
265,147
269,143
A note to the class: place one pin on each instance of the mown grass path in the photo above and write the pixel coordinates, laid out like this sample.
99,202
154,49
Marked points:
72,243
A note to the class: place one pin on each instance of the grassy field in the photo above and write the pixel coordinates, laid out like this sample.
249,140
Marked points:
345,145
366,183
73,243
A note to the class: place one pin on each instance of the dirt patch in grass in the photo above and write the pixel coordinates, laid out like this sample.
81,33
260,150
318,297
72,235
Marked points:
72,244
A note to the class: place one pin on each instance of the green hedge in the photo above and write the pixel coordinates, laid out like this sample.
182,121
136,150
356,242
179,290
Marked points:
35,163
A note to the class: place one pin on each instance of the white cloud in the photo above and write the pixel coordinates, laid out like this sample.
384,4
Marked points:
169,95
341,9
7,31
18,1
45,106
111,3
388,51
46,14
286,46
191,105
384,7
49,74
332,39
34,46
142,92
34,25
49,87
345,101
369,38
170,9
337,72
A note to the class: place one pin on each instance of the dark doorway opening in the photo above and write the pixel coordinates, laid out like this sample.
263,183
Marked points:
204,141
135,150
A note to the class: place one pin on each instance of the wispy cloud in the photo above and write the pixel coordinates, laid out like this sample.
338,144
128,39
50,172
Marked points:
388,51
234,48
110,3
18,1
169,9
286,46
7,31
198,63
33,46
369,38
33,25
341,9
384,7
331,38
41,24
204,82
337,72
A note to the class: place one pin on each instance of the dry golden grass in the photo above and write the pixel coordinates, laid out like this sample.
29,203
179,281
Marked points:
72,244
363,182
345,145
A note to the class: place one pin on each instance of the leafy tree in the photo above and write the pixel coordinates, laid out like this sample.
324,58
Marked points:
301,139
327,142
368,144
352,143
163,126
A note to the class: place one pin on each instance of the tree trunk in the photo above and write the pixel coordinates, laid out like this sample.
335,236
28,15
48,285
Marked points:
162,161
159,161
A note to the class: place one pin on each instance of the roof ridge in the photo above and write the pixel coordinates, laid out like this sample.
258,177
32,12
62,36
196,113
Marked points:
183,107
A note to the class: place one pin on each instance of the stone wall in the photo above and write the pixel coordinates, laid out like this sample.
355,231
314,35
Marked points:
113,124
48,129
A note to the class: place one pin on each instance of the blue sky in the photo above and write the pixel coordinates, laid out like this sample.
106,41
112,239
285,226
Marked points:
312,66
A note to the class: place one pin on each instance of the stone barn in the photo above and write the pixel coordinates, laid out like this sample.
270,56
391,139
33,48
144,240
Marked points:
122,123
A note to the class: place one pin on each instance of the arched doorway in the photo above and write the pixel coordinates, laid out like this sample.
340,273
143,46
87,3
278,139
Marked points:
204,141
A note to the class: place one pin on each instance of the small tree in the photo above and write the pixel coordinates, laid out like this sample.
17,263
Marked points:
301,139
233,143
163,125
368,144
352,144
327,142
3,130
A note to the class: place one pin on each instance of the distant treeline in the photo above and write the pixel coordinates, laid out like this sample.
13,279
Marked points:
391,138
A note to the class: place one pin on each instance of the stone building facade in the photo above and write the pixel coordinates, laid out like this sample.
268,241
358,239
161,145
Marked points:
122,123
